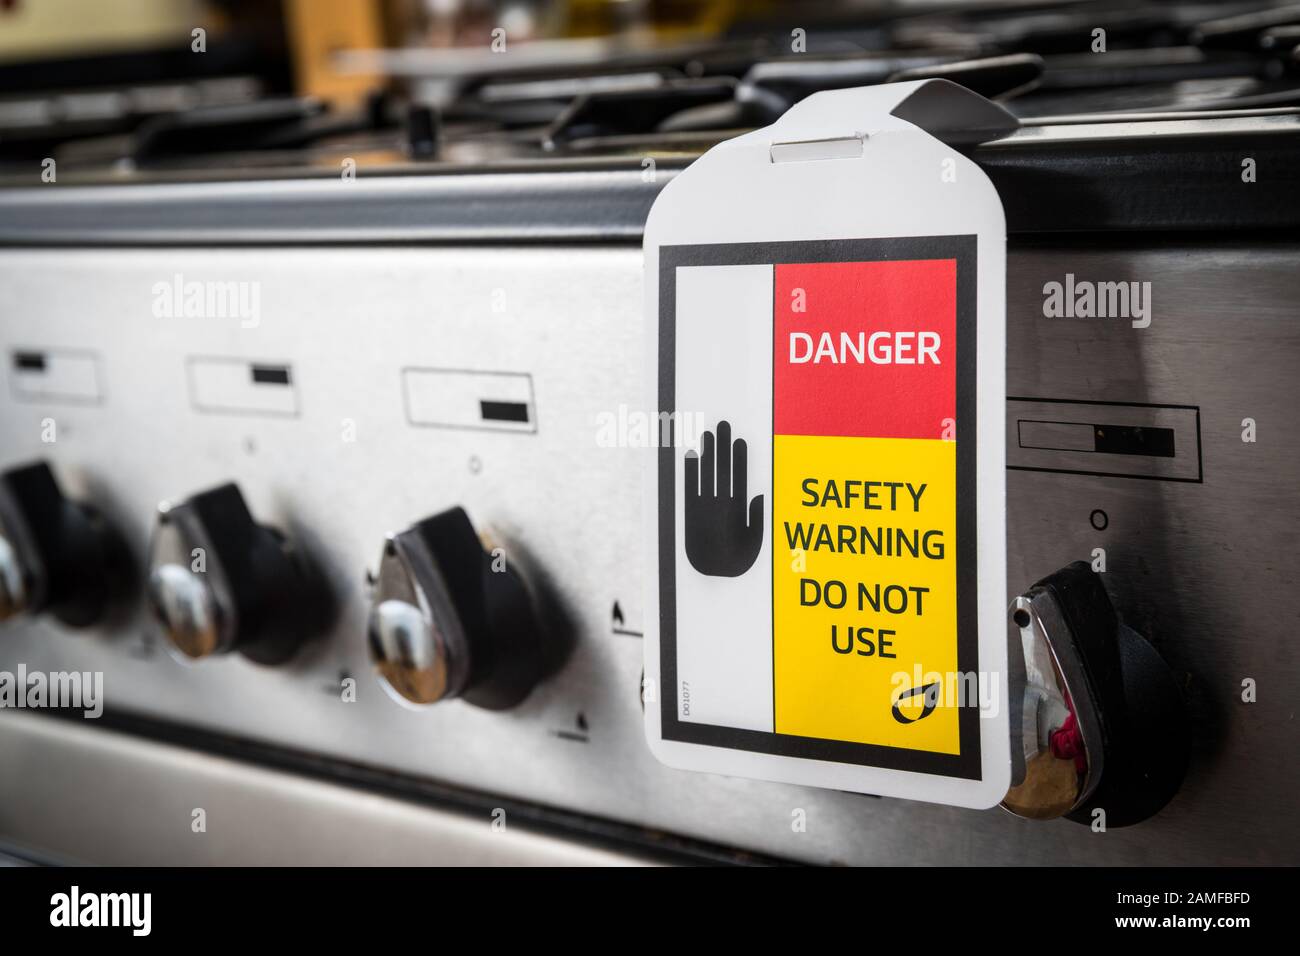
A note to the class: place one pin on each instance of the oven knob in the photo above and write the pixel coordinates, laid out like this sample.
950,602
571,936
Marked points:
1098,720
448,619
220,582
56,554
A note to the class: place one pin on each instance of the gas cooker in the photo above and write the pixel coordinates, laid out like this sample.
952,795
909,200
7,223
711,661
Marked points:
485,241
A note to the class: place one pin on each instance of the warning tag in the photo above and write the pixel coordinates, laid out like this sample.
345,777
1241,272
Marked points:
826,523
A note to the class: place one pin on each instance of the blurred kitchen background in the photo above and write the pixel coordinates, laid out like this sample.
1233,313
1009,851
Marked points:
187,86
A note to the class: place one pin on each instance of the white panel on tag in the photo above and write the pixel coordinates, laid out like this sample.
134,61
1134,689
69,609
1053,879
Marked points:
826,525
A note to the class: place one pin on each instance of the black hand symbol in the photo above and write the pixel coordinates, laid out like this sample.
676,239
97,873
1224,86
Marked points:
719,539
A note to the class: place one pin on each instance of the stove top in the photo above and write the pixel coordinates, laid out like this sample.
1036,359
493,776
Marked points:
1103,66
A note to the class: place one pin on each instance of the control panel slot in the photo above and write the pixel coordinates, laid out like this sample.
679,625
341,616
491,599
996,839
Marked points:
461,398
235,386
1105,438
55,375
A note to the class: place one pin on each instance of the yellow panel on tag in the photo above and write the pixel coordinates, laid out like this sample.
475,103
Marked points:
865,590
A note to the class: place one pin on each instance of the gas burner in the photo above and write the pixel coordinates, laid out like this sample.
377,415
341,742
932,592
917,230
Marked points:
550,100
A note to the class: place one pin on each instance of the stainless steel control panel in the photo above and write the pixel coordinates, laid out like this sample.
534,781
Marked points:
351,391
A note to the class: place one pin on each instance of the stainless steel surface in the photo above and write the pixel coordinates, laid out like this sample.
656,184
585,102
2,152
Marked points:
1187,562
251,815
557,201
608,199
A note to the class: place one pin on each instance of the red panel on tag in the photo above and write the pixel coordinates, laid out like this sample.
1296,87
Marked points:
866,349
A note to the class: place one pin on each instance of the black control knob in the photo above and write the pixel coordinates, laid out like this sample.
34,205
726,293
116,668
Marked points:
221,582
56,554
1098,720
449,619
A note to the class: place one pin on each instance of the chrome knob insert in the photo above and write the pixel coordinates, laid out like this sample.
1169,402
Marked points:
416,641
220,582
1057,755
13,589
186,610
410,655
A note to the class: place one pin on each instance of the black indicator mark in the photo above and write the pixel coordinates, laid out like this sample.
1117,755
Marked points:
618,627
1134,440
335,690
144,649
579,735
503,411
270,374
29,361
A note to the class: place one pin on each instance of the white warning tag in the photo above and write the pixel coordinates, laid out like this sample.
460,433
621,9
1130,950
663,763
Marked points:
826,523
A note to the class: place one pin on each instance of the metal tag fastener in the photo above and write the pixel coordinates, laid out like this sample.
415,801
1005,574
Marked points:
843,147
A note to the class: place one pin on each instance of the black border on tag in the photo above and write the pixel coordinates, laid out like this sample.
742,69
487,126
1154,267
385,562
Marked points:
965,764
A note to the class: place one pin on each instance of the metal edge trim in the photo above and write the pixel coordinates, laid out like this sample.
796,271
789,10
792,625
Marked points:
658,845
